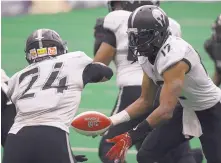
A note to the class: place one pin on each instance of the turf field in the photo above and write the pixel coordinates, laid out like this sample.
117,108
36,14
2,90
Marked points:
77,28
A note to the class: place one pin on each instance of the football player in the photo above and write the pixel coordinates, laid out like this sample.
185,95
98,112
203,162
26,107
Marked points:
173,63
213,48
47,94
111,44
8,113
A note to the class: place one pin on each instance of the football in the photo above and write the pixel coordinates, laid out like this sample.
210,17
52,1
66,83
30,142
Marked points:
91,123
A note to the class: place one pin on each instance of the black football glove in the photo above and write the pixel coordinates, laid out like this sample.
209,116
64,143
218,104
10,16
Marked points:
80,158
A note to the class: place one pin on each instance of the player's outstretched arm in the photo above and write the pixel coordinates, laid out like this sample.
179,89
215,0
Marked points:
140,106
96,72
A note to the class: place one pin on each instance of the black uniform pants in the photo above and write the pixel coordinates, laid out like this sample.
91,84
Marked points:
38,144
169,136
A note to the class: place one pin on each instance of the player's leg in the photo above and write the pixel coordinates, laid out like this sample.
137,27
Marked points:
162,140
210,120
38,144
126,97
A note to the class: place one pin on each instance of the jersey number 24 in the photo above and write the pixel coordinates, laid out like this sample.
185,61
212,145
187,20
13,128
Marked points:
48,84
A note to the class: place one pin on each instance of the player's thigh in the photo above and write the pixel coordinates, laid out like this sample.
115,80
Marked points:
38,144
14,152
53,146
210,120
163,139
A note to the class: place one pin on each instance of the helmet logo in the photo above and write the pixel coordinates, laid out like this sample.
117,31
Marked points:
52,51
159,16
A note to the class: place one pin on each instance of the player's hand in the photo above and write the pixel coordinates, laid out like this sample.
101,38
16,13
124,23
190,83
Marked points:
119,150
80,158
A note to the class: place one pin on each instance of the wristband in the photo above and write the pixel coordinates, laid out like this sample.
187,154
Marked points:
121,117
140,131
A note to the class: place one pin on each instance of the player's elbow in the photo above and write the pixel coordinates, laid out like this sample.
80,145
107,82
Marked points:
105,71
108,73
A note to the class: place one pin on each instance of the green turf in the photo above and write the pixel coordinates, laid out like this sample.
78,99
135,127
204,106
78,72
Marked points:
77,28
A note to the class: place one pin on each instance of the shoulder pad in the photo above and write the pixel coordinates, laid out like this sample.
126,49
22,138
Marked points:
84,57
114,19
77,54
175,27
172,52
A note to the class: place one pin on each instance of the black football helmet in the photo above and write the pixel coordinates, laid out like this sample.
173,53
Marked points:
130,5
147,31
43,44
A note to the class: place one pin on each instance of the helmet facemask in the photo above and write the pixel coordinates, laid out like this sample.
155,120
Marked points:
146,42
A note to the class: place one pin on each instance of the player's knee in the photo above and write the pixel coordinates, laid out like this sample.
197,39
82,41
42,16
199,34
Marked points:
145,157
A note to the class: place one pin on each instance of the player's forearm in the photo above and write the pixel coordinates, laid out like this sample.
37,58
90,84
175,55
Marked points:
160,115
168,102
139,107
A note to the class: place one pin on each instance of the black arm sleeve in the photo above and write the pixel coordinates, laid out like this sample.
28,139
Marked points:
102,35
95,72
